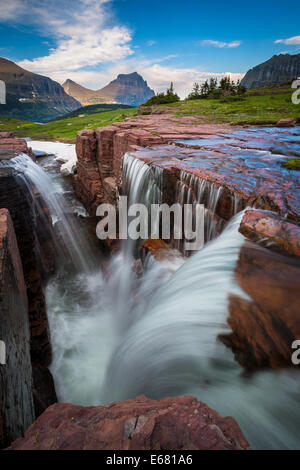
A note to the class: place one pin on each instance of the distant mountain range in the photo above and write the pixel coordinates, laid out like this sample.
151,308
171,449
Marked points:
130,89
280,68
31,96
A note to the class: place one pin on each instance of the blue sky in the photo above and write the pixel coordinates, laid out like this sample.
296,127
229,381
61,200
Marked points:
91,41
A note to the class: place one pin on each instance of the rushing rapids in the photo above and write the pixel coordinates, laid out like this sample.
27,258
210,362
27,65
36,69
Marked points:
116,334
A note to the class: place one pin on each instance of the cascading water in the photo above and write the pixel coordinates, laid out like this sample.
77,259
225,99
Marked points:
116,334
71,241
194,190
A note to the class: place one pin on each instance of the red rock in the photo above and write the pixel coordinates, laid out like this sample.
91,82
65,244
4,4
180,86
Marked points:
181,423
287,122
9,142
264,325
276,233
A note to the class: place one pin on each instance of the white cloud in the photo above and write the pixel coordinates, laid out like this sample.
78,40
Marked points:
84,36
151,42
220,44
293,41
8,10
159,77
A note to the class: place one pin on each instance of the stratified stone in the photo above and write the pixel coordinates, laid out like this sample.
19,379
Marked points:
274,232
181,423
287,122
266,322
16,387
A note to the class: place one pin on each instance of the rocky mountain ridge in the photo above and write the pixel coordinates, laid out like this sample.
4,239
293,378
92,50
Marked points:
130,89
280,68
31,96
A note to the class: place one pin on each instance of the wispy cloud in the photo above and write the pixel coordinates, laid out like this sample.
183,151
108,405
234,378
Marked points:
151,42
220,44
293,41
88,45
84,34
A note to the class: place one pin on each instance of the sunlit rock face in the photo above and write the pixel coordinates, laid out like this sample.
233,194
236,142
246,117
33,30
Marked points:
31,96
130,89
140,424
280,68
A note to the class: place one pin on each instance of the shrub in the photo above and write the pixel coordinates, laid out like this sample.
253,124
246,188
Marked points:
164,98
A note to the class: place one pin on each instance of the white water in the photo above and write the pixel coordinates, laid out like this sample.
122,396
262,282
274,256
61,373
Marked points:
64,153
70,239
116,334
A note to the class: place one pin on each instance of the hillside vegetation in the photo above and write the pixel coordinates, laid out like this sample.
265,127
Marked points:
67,128
261,106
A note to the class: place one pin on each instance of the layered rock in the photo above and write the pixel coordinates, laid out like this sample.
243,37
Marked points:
265,324
9,142
280,68
181,423
100,152
33,228
16,387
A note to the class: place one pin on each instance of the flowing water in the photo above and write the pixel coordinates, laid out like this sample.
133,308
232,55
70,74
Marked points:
116,333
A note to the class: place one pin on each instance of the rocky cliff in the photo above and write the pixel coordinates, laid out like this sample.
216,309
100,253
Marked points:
16,386
27,260
280,68
32,97
130,89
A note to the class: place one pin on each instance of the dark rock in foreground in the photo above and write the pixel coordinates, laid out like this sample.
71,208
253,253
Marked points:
181,423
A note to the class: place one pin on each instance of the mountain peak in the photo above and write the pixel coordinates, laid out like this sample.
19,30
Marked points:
278,69
130,89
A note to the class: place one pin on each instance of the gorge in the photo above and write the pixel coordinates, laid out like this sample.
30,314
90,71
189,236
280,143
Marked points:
217,325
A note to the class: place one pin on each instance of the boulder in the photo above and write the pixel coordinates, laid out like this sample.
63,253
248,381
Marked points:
271,230
266,321
181,423
287,122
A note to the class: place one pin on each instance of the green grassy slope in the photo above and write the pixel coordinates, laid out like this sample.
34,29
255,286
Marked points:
260,106
65,129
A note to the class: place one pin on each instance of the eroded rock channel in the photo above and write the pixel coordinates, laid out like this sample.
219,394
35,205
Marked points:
128,321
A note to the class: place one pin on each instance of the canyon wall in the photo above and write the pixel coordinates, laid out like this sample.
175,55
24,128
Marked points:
28,218
16,386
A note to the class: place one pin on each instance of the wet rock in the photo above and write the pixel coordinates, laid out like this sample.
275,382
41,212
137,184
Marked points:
9,142
181,423
100,151
33,228
16,397
274,232
264,324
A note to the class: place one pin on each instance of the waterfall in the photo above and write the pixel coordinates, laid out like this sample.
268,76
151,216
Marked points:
116,333
71,243
172,349
194,190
